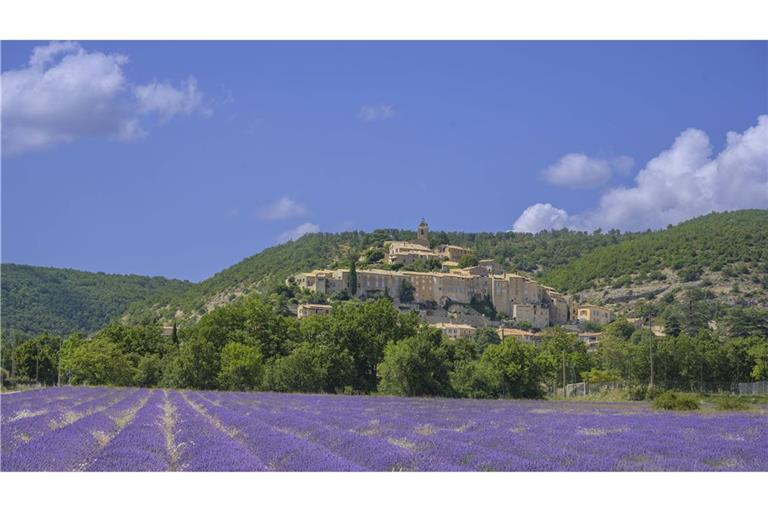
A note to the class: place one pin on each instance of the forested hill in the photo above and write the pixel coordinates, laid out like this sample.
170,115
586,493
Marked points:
715,247
263,271
729,250
726,253
61,301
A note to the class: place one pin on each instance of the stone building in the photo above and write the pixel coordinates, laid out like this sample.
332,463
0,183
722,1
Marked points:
534,315
422,233
456,331
307,310
517,297
527,336
407,252
453,252
591,339
596,314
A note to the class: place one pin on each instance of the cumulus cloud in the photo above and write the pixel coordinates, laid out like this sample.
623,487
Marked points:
298,232
577,170
370,113
682,182
65,93
540,216
283,208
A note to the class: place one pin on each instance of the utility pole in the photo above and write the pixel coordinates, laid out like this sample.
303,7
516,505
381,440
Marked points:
650,344
564,373
58,367
646,322
37,366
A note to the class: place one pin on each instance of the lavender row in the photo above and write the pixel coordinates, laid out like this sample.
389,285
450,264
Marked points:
24,430
36,402
281,451
519,436
70,448
141,445
370,452
201,446
89,428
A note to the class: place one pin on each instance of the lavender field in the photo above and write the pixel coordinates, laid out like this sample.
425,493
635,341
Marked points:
122,429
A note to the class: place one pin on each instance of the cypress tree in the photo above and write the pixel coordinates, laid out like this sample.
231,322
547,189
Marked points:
352,276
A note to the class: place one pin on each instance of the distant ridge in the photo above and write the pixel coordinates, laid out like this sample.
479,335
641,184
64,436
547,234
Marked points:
725,252
61,301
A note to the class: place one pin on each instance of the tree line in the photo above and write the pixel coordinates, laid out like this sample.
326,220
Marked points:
372,347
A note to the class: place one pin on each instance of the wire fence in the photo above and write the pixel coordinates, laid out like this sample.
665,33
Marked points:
736,388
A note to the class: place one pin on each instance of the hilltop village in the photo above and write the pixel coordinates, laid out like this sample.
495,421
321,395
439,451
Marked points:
458,294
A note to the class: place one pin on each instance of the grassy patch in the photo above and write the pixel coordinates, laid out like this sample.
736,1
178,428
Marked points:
671,401
731,403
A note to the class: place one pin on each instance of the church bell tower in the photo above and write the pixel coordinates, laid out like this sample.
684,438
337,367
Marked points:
422,233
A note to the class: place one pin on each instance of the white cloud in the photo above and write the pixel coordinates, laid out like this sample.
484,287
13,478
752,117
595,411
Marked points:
540,216
168,101
298,232
577,170
66,93
682,182
370,113
283,208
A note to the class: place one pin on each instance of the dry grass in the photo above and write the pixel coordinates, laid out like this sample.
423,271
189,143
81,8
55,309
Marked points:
102,438
601,431
425,430
402,443
169,422
27,414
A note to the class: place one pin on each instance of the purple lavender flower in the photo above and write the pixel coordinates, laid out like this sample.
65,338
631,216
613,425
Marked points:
108,429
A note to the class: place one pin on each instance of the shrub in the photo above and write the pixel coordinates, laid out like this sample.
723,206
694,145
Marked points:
731,403
671,401
653,392
637,392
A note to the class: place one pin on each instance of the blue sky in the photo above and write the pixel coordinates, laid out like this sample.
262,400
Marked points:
182,158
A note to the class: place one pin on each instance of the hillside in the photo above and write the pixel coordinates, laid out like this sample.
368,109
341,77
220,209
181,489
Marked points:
263,271
61,301
726,253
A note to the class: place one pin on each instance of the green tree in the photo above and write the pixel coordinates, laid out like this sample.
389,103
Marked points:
364,330
468,260
415,366
250,321
375,256
310,368
759,353
563,349
744,322
98,362
510,369
149,371
352,284
736,360
672,325
597,376
195,366
241,367
406,291
37,359
614,354
485,336
620,328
